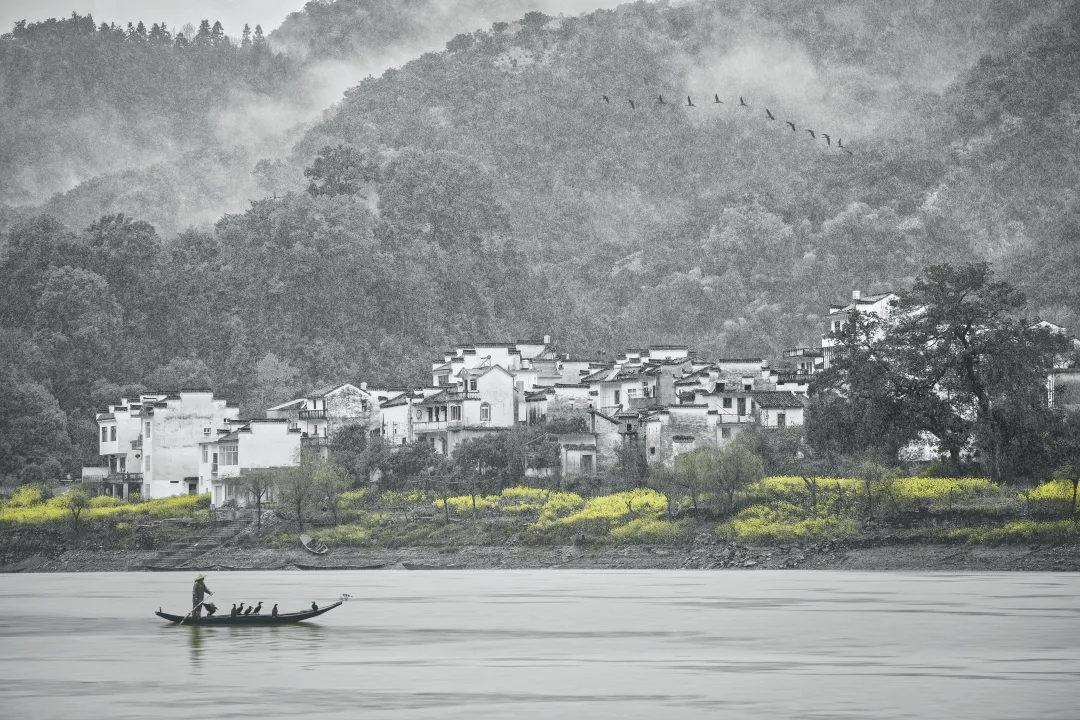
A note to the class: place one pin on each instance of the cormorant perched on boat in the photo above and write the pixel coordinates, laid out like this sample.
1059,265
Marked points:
606,99
811,133
827,140
769,114
258,608
236,610
742,102
232,613
314,606
273,613
689,102
791,124
248,611
717,100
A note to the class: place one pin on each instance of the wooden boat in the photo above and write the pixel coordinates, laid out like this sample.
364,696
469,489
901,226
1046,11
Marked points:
304,566
421,566
281,619
313,546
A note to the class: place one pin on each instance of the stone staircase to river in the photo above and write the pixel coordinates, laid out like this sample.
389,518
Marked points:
182,557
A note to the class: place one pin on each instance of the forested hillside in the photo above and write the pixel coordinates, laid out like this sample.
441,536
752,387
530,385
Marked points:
507,188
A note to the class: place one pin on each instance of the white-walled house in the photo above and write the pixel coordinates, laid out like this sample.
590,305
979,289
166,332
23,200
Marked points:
251,444
120,447
325,410
481,400
163,459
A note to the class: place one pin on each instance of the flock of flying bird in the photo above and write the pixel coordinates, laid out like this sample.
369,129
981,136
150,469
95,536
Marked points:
742,103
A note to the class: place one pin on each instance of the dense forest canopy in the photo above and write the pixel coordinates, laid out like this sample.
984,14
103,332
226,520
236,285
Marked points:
193,211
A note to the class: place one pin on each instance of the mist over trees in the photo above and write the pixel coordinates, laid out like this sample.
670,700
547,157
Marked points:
489,192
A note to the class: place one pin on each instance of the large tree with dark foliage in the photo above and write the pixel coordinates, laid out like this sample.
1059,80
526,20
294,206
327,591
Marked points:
955,360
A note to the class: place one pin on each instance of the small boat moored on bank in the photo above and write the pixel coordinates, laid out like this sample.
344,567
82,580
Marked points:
313,546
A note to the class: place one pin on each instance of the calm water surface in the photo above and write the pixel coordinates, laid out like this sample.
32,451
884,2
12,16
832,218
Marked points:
533,644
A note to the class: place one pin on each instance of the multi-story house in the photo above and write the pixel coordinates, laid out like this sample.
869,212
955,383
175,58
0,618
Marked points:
323,411
120,447
247,445
479,401
155,446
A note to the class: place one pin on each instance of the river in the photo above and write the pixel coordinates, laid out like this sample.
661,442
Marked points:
542,643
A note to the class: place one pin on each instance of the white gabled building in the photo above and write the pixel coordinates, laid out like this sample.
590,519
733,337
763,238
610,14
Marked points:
249,445
152,442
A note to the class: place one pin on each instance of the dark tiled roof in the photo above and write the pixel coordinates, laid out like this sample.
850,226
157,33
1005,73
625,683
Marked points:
776,399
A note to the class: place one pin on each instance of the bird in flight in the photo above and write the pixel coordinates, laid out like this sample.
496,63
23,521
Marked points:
660,99
606,99
839,142
811,133
742,102
791,124
769,114
716,99
631,103
827,140
689,102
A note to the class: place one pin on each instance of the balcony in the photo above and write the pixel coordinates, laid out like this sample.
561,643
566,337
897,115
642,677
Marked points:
312,414
431,426
317,441
137,444
458,395
122,477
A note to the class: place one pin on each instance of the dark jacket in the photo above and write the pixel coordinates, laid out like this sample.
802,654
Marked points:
198,592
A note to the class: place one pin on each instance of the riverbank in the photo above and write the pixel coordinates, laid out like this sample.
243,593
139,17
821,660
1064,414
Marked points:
880,556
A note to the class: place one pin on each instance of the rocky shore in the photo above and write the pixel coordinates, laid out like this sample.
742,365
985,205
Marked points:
862,556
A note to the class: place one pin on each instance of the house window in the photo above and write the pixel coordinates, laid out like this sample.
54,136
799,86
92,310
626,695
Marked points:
112,433
205,452
727,403
146,462
629,427
485,412
586,464
652,450
472,384
122,464
430,414
725,433
230,455
455,412
747,387
616,397
104,434
781,420
147,430
742,406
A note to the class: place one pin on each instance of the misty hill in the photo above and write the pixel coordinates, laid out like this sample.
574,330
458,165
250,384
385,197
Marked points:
712,224
78,101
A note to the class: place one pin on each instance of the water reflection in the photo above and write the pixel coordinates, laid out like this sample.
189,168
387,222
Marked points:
195,643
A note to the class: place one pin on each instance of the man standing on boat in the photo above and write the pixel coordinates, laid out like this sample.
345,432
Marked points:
198,592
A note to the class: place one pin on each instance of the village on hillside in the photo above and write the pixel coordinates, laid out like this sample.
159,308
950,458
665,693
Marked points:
192,441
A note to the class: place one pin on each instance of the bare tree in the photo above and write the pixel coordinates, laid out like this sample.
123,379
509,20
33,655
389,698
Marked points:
258,484
76,501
